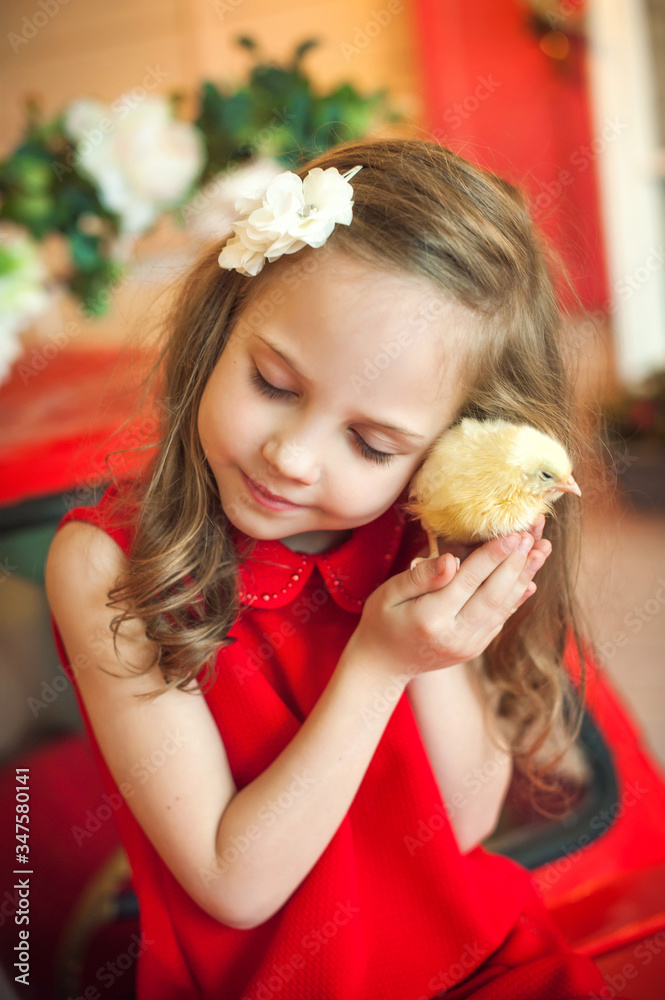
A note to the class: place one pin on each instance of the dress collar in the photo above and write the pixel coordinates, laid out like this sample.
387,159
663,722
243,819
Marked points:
273,574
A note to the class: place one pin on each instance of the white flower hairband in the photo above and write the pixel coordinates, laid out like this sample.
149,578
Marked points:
291,214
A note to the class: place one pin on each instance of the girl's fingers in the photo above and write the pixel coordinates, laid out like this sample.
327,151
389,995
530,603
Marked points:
503,591
538,528
497,572
534,561
430,574
485,562
531,589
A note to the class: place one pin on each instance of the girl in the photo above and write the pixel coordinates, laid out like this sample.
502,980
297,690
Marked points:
295,720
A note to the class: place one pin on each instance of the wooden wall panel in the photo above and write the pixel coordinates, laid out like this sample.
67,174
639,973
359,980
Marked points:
102,49
97,49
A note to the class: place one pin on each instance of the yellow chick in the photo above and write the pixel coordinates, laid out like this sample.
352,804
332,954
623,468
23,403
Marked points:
485,478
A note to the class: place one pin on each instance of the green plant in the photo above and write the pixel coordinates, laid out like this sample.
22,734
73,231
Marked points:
278,113
45,188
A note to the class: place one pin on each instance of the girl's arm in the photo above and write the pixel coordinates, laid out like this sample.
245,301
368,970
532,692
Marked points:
472,771
469,756
238,857
240,854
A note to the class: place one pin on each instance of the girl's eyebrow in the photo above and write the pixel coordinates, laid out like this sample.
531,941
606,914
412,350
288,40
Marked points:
377,423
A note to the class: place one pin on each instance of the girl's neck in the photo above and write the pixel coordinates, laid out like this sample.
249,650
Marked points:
315,541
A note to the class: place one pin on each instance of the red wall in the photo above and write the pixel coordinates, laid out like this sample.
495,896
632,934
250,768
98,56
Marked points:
495,97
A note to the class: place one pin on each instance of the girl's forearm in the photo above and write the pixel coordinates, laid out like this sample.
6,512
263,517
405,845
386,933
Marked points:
275,829
472,772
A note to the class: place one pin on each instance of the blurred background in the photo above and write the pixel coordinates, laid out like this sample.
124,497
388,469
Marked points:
127,132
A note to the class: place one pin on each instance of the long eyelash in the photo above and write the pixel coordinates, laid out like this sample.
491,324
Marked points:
380,457
272,392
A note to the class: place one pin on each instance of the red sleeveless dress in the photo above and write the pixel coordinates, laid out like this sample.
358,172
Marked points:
384,914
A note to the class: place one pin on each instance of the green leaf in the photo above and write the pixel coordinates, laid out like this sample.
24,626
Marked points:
275,112
236,113
35,212
94,289
302,50
29,170
85,251
211,104
275,85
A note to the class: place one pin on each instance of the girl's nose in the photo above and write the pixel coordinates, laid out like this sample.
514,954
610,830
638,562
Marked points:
291,459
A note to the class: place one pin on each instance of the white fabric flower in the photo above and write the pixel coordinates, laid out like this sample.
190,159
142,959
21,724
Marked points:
293,213
210,214
23,295
142,160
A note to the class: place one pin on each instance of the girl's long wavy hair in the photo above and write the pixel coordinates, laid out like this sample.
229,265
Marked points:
419,208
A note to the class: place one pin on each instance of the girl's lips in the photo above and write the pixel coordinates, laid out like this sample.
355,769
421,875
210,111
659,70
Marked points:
267,499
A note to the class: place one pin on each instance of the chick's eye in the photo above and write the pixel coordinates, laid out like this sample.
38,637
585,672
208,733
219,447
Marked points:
546,475
265,388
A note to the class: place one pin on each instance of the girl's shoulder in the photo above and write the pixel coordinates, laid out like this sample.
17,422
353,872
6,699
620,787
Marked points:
115,513
83,556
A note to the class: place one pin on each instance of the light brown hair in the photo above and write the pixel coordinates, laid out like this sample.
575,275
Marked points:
422,209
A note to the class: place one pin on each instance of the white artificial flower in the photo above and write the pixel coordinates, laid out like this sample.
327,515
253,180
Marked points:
142,160
22,292
210,214
82,117
293,213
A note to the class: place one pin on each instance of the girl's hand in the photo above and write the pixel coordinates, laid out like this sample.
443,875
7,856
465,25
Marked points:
434,615
462,551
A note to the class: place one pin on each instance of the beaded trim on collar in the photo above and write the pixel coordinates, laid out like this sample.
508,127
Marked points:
273,575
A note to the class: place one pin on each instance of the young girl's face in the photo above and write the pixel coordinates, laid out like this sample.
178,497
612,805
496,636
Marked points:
304,403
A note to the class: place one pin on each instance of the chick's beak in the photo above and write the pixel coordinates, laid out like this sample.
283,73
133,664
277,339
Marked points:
569,486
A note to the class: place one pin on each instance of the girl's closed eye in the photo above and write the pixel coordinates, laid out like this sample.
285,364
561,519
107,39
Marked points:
266,388
273,392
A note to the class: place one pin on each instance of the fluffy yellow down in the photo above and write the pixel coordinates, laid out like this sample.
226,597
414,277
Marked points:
484,478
